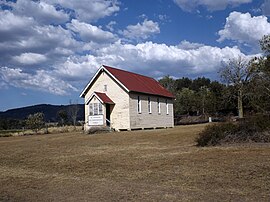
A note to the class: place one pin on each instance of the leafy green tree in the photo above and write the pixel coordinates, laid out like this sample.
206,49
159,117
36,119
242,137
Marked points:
184,82
217,96
200,82
168,83
186,101
260,85
207,101
35,121
228,100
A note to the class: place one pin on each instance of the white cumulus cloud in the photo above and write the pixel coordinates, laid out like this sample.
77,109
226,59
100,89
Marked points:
186,45
20,34
30,58
90,32
152,59
40,11
141,30
41,80
86,10
244,28
14,26
63,46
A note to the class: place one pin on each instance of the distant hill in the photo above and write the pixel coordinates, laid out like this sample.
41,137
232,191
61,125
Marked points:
50,112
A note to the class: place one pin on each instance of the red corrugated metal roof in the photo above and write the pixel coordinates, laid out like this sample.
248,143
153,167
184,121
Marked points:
104,98
139,83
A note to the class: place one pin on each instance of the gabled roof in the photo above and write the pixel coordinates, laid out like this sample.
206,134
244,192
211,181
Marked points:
102,97
132,82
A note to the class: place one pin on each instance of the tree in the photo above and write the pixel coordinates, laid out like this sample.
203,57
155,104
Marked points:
265,44
184,82
217,93
186,101
260,85
200,82
237,72
73,111
168,83
264,63
203,95
35,121
62,115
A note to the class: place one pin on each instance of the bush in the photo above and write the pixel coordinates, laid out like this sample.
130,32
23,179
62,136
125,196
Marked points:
253,129
95,130
6,135
213,134
35,121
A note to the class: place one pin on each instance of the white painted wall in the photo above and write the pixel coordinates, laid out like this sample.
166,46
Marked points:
120,112
146,119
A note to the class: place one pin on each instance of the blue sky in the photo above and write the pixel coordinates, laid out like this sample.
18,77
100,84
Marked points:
49,49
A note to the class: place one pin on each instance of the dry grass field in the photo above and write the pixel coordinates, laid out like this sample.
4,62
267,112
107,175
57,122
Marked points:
152,165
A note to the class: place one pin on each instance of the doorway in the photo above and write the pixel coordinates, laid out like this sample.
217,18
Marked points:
108,115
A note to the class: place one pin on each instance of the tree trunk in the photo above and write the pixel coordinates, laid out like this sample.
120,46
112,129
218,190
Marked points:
74,122
240,103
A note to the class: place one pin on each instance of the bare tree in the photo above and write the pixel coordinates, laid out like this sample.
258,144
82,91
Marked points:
73,111
237,72
62,115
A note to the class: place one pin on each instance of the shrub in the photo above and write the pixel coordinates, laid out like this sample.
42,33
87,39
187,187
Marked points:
213,134
6,135
253,129
35,121
95,130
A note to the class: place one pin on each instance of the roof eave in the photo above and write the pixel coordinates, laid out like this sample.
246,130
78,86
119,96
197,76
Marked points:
172,97
82,95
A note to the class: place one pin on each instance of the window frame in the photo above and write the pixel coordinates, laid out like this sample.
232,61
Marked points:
91,109
95,109
100,109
